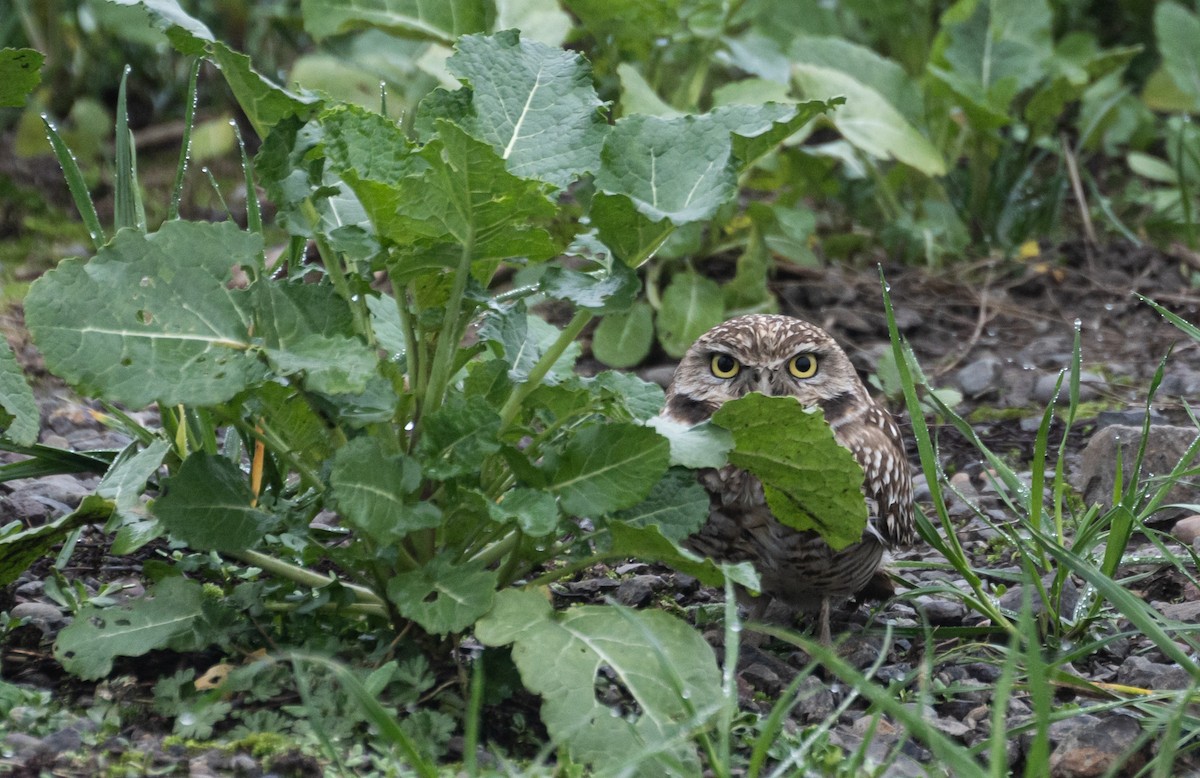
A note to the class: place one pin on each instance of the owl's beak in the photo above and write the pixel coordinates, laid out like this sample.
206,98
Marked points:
761,380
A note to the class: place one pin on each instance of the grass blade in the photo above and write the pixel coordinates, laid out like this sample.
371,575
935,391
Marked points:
127,205
76,184
185,150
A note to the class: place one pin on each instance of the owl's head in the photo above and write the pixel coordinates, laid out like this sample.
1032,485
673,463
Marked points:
774,355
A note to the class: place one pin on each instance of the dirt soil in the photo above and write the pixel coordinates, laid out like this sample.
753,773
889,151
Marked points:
996,331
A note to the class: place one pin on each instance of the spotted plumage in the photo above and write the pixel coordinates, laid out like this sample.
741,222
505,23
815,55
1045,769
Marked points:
781,355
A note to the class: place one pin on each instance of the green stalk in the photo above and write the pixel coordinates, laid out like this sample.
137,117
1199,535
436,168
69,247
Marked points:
565,338
303,576
185,150
447,342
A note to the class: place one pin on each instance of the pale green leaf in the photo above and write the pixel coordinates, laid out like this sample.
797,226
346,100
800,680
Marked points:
374,491
609,289
694,445
869,121
1178,33
624,339
638,97
535,511
811,481
632,236
661,661
677,505
443,597
540,20
19,416
168,614
691,306
150,317
20,73
881,74
535,104
208,505
441,21
606,467
681,168
457,437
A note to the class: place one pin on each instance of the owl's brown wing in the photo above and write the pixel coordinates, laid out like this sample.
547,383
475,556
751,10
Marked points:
876,443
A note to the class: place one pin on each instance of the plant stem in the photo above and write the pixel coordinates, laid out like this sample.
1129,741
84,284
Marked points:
565,338
447,342
304,576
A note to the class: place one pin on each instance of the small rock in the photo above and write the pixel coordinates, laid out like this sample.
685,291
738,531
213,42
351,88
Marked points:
24,745
762,678
244,764
814,701
1098,462
941,612
64,489
64,740
1092,750
1187,529
637,591
1068,598
979,377
1128,418
46,617
955,729
1187,612
1141,672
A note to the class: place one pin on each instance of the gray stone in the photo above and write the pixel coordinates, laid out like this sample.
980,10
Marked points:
1187,612
24,745
980,377
1068,599
1141,672
48,618
66,739
1092,750
1166,446
638,591
65,489
1090,385
814,701
1187,529
941,612
763,678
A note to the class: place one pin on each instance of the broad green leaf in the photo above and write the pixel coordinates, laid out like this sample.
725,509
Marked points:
633,237
522,338
451,195
169,615
677,506
664,663
444,597
457,437
631,25
534,104
881,74
20,73
19,416
535,511
811,481
441,21
264,103
691,306
540,20
648,542
150,317
993,41
375,491
758,129
694,445
386,324
638,97
681,169
609,289
286,414
308,329
626,395
624,339
1178,32
868,120
606,467
209,506
20,549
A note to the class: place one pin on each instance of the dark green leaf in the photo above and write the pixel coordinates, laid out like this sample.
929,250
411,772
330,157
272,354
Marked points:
606,467
677,505
19,416
20,73
209,505
374,491
535,511
457,437
811,482
444,597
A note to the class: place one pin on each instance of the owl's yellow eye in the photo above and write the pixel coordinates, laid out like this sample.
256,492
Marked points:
724,366
803,366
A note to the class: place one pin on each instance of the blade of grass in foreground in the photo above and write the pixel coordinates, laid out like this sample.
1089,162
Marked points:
185,150
76,184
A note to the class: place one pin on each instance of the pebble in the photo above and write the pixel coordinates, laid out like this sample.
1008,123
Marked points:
979,377
1187,612
941,612
1095,475
46,617
639,590
814,701
1141,672
1187,529
763,678
1092,749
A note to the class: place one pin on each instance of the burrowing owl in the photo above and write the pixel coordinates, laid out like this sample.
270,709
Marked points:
780,355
